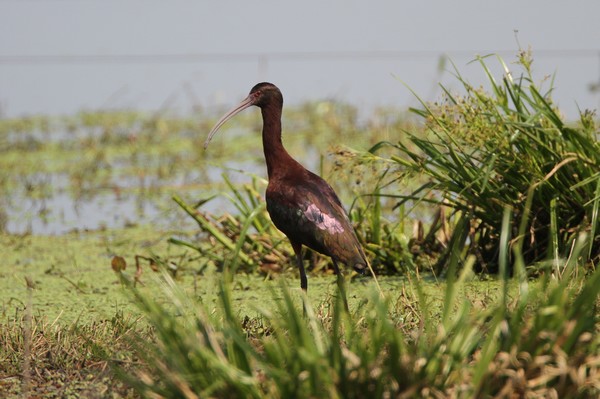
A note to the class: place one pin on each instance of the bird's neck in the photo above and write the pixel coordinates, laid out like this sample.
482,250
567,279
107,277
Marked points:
278,159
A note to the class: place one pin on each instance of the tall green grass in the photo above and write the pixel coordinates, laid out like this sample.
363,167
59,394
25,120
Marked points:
541,340
508,146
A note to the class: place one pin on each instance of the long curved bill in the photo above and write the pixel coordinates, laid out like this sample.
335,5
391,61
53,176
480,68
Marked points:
248,102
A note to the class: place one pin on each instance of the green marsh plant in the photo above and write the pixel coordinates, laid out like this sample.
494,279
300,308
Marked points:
484,150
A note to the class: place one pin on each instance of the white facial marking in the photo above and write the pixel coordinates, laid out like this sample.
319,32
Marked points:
322,220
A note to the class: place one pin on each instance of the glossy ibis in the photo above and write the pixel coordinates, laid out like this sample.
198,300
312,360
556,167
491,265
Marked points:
301,204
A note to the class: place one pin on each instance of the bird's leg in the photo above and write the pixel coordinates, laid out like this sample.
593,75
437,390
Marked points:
341,283
303,281
298,251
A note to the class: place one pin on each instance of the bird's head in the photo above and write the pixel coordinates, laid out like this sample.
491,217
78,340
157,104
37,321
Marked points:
261,95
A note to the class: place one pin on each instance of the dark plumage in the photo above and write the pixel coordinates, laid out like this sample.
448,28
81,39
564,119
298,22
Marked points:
301,204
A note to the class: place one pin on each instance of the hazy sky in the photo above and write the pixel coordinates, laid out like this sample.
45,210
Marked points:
58,57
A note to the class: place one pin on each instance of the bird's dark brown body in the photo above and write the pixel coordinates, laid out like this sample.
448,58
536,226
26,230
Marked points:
301,204
306,209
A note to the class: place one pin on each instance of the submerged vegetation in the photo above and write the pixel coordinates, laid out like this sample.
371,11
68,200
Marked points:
481,215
